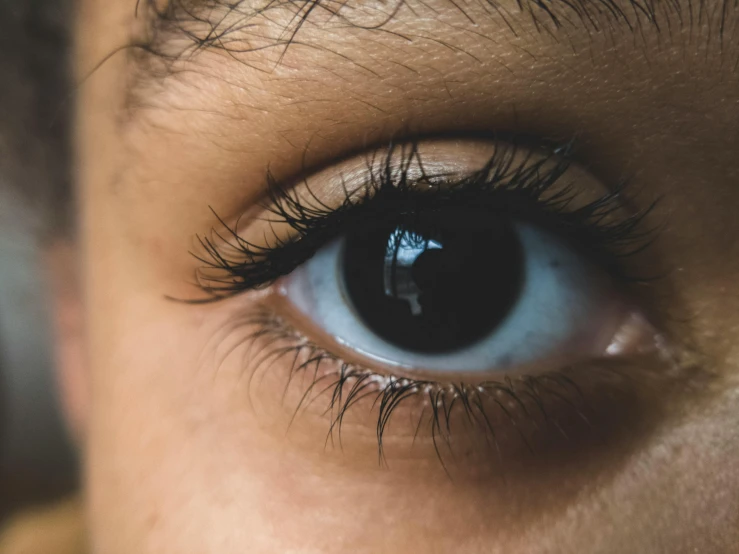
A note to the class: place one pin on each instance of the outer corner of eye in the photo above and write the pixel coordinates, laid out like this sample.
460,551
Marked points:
449,297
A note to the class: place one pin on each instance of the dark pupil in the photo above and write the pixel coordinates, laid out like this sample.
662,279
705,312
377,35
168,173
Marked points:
437,285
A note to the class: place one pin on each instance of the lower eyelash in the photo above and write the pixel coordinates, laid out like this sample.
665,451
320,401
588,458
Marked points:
506,413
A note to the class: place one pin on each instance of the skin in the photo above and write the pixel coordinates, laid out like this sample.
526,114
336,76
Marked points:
183,456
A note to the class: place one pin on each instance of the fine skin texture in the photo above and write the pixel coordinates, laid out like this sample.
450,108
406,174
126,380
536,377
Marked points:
183,455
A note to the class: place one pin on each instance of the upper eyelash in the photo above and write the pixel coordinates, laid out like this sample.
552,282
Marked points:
503,185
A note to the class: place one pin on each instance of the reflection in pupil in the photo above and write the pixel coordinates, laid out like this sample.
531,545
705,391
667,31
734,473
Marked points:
436,285
402,255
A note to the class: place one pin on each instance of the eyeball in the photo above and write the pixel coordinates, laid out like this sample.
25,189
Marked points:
455,292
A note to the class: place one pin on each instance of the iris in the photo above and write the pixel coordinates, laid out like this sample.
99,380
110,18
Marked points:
436,284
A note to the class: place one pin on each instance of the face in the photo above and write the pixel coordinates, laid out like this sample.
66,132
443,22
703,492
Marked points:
409,276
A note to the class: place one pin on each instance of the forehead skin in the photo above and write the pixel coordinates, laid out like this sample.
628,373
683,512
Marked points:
210,98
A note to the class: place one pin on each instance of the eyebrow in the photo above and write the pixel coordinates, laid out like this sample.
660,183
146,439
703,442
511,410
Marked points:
206,24
172,31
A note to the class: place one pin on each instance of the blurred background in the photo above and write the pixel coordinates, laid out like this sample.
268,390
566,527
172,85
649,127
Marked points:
36,459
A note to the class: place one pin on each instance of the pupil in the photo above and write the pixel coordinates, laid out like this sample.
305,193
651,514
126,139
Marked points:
437,285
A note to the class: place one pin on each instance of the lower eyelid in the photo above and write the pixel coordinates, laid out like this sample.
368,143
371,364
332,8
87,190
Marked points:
514,424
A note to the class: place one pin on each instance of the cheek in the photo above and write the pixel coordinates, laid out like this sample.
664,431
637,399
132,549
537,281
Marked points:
179,463
177,460
168,469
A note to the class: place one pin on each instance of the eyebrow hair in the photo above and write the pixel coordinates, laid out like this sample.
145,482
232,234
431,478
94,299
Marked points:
205,24
176,30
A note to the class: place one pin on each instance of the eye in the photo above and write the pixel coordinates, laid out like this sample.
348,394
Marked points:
457,291
481,292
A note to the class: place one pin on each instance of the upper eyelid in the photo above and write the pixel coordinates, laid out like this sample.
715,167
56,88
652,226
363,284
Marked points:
241,264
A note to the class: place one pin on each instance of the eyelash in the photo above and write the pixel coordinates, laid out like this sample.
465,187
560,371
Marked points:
521,399
519,189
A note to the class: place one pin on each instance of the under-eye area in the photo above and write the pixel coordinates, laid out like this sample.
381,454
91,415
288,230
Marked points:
468,301
535,427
